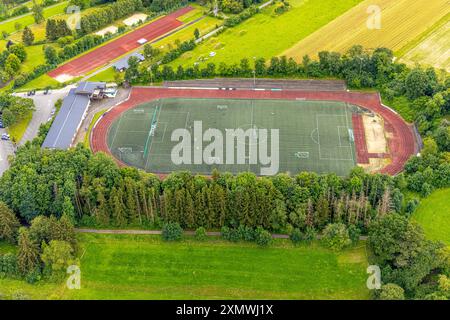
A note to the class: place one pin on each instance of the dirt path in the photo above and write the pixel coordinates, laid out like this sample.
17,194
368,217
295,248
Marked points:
156,232
188,233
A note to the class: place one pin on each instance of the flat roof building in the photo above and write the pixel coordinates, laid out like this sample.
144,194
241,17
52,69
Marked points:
70,116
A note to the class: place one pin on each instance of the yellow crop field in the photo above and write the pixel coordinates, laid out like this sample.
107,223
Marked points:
374,23
433,50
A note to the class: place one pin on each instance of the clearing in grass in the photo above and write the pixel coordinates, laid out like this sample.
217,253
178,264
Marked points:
313,135
401,21
144,267
433,215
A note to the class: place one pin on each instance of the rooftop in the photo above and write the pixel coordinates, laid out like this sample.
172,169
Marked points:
69,117
122,64
89,87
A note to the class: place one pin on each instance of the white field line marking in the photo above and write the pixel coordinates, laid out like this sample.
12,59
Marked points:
351,144
115,134
151,143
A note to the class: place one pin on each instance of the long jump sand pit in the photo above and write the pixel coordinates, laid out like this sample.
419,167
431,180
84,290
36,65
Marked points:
374,132
135,19
110,29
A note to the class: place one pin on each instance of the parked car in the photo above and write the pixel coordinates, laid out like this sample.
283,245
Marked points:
5,136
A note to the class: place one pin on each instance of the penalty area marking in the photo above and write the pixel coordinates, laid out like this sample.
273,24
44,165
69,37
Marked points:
339,146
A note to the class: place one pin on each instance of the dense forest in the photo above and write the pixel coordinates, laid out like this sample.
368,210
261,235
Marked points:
93,190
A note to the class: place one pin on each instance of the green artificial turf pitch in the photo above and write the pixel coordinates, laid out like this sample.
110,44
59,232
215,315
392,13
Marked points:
313,135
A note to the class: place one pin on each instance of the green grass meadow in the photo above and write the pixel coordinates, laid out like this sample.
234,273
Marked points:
18,130
26,20
268,34
144,267
433,215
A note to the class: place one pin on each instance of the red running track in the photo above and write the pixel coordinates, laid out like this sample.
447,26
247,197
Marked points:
362,154
402,144
120,46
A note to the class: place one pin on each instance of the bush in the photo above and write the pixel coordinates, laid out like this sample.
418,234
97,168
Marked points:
244,15
8,266
335,236
263,237
296,236
426,190
310,235
354,232
57,256
171,231
246,233
412,205
230,234
391,291
200,234
33,276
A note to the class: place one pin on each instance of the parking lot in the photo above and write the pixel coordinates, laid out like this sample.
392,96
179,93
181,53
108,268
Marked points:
44,104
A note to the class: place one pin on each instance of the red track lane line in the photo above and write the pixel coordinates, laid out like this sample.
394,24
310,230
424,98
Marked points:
120,46
402,143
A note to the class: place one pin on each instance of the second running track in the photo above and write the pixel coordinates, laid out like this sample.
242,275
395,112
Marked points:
120,46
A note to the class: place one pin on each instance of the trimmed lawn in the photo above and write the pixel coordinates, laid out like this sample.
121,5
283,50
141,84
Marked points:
40,83
16,131
9,25
91,125
35,58
267,34
144,267
205,26
433,215
39,29
106,75
192,15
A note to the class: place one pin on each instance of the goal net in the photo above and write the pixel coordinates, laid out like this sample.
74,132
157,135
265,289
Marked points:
351,137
